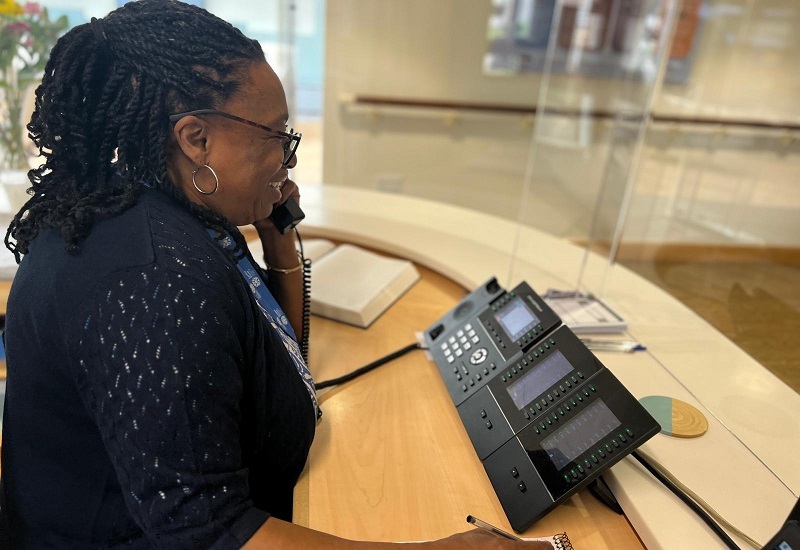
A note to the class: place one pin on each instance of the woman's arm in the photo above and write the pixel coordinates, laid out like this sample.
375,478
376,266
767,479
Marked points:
280,535
280,252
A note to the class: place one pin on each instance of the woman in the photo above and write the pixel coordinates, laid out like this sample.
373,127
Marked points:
156,396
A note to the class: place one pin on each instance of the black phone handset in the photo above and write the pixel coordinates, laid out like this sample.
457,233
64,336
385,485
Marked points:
287,215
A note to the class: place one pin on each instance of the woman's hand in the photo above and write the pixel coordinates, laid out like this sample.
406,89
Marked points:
280,252
265,227
478,539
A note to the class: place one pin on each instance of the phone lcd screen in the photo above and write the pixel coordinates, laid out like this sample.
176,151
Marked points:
516,319
536,381
580,434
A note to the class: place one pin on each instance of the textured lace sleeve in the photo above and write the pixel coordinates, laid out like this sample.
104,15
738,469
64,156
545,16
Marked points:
155,357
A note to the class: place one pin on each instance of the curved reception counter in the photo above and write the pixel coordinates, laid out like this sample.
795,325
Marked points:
745,466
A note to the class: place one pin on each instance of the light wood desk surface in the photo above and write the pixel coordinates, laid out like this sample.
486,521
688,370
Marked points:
391,460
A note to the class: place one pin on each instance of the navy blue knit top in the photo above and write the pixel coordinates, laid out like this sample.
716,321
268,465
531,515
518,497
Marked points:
148,403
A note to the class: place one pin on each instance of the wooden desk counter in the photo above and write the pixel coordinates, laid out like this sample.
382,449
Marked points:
391,460
745,467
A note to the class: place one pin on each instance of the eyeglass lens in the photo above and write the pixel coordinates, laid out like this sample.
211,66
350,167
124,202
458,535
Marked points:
290,148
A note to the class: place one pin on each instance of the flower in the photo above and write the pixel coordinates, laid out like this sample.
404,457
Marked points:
32,8
17,27
26,37
9,7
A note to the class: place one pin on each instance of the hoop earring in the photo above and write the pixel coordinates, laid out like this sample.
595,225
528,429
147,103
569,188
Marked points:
216,181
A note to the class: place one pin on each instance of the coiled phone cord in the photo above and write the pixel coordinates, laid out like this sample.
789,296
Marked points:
306,323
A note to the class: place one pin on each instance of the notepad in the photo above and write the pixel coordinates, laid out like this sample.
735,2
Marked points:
560,541
585,313
351,284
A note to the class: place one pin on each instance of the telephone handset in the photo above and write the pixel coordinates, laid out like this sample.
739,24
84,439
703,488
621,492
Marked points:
544,415
287,215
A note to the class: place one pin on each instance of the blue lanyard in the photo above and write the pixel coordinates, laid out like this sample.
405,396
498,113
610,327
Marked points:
273,313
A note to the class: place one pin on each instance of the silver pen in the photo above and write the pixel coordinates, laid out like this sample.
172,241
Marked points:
491,528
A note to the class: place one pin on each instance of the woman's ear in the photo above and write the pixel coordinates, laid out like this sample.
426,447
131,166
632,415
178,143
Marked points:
191,137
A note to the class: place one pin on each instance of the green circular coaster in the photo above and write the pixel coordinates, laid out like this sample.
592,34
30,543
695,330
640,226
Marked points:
677,418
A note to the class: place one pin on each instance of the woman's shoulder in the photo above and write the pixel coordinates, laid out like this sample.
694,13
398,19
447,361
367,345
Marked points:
155,235
181,243
155,230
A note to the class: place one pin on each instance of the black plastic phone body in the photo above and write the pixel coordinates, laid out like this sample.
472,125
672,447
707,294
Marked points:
287,215
544,415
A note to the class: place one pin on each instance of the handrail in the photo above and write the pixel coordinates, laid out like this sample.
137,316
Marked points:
597,114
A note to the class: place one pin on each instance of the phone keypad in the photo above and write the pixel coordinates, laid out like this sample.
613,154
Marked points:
464,340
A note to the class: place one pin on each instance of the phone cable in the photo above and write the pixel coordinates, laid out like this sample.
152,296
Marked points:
365,369
664,478
306,322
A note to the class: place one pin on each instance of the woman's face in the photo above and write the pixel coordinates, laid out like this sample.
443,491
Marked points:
246,159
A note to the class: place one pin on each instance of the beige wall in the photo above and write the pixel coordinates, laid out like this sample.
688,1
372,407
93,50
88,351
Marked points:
696,185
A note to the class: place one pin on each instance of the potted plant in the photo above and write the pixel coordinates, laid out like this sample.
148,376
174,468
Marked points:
26,37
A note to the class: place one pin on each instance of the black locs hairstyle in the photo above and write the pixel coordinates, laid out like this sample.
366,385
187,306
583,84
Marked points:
103,106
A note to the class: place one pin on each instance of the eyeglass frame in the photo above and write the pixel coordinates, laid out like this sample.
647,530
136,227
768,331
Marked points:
291,135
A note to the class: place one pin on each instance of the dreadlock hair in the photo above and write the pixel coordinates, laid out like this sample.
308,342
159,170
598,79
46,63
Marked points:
102,109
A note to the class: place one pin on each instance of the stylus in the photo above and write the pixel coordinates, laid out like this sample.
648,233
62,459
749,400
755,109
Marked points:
491,528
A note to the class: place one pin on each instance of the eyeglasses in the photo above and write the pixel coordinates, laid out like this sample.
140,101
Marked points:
289,146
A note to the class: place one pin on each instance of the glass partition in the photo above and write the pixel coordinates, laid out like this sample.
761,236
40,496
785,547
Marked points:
714,217
660,135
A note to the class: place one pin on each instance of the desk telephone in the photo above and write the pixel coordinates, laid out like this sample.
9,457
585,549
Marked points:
544,415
